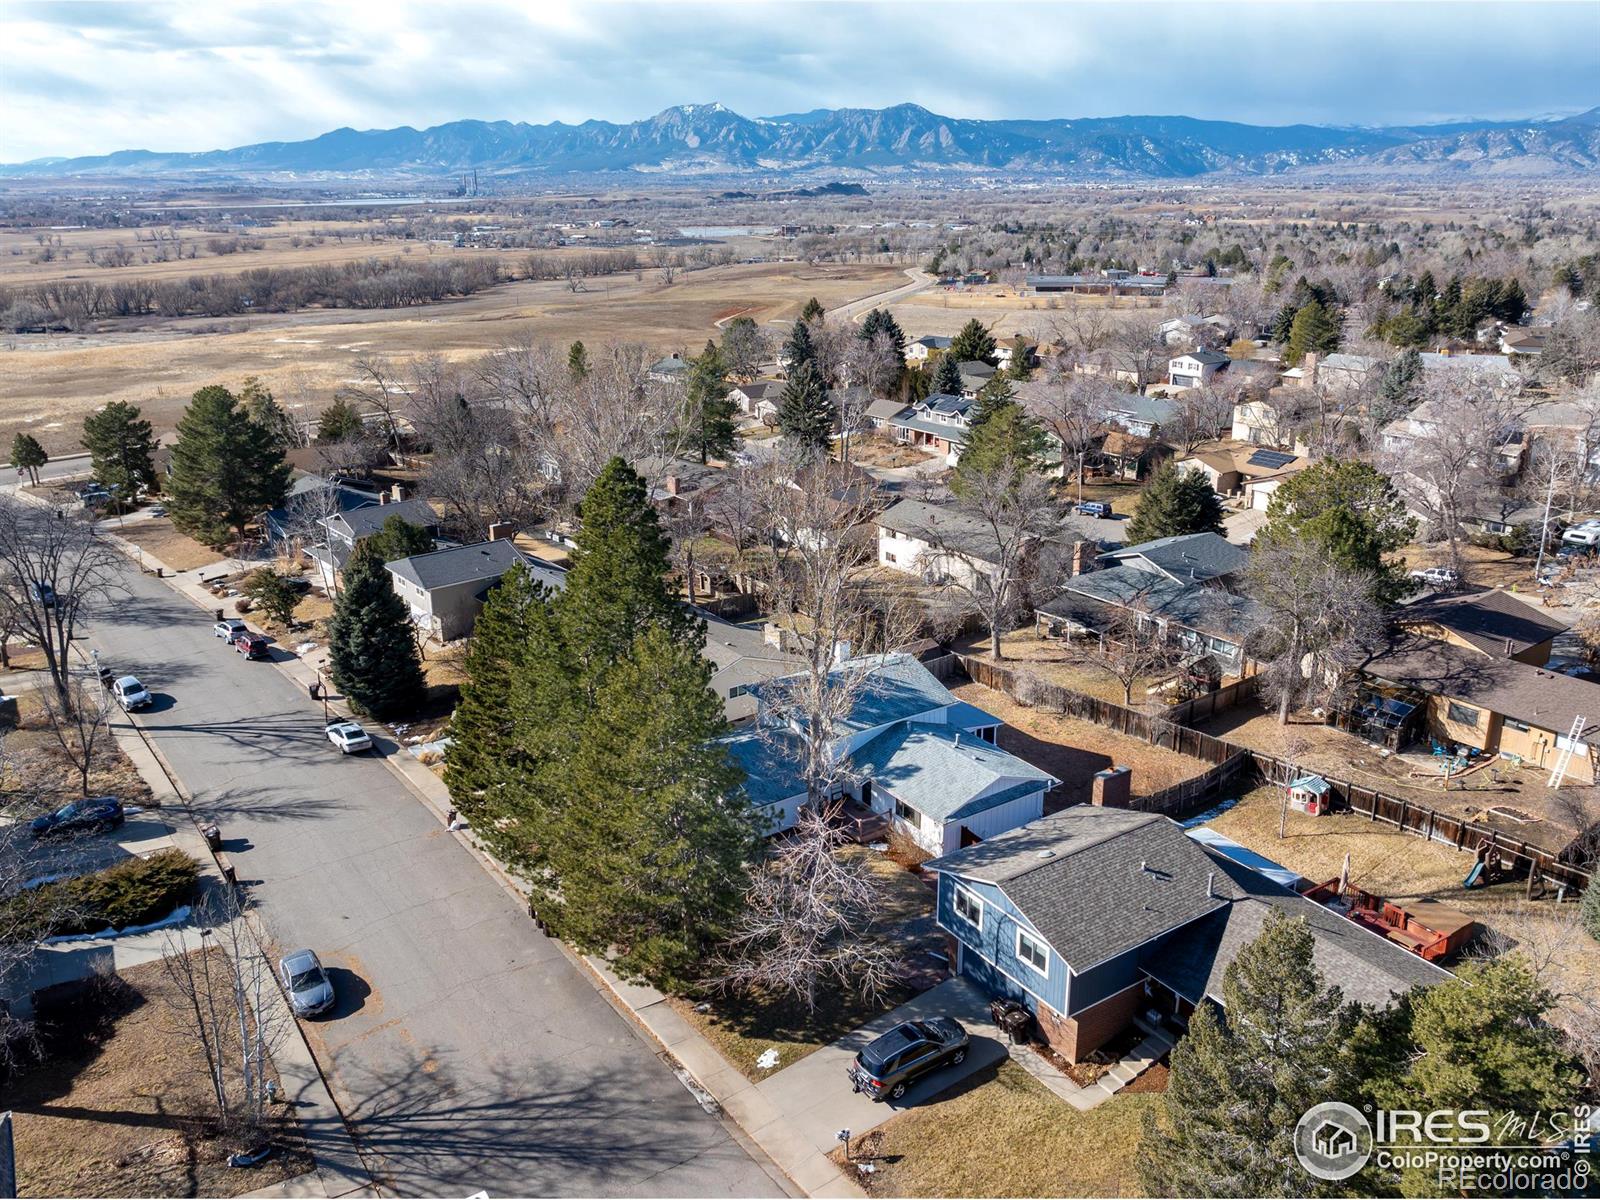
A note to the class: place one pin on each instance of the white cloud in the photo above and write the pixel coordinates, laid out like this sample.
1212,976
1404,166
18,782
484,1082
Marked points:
182,75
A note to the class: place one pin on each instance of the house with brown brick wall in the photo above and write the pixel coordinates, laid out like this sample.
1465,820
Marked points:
1097,918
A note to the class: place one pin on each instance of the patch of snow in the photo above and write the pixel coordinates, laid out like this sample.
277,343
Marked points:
767,1059
178,917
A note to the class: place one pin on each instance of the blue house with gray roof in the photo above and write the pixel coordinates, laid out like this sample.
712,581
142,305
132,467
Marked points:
1098,918
907,749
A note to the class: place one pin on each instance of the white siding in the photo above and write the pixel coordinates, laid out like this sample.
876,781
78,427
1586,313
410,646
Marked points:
995,821
780,816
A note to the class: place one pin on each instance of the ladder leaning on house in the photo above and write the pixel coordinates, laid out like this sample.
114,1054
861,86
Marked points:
1564,759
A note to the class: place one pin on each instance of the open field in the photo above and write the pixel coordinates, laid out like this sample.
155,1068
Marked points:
116,1107
1000,1133
52,381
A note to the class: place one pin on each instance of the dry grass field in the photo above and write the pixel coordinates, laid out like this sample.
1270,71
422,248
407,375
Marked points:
51,381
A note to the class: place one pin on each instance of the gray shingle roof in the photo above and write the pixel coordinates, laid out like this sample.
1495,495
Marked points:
1367,967
1188,558
1151,409
479,561
367,519
884,410
947,528
1210,358
1487,619
1193,606
940,771
770,762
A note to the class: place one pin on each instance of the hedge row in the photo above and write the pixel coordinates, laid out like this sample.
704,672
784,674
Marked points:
139,891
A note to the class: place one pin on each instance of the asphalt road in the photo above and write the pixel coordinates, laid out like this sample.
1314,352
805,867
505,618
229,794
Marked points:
66,467
467,1051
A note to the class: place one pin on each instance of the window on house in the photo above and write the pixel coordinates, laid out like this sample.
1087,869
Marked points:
906,813
1032,951
889,556
1513,723
968,907
1460,714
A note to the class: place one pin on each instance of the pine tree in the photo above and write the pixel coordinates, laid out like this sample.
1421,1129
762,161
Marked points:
372,647
806,415
1401,379
617,587
711,429
946,377
880,320
272,595
517,714
1021,364
812,312
28,455
400,538
798,350
121,447
263,408
1004,445
226,471
1174,502
974,343
578,361
1241,1078
647,858
339,421
1352,511
1313,329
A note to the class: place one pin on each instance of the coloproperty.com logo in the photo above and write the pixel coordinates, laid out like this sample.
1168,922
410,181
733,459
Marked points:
1467,1150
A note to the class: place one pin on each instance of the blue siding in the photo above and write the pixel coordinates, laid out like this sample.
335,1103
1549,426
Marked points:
989,956
1107,979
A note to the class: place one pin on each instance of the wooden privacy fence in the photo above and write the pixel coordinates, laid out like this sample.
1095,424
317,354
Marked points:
1230,761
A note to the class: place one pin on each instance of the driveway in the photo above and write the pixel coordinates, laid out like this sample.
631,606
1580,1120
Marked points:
466,1050
816,1100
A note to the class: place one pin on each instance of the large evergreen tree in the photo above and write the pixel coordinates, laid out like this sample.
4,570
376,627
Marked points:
1242,1076
812,312
946,377
339,421
1314,328
263,408
578,361
1174,502
617,587
1003,438
805,414
226,469
121,447
709,417
648,856
1352,511
28,455
372,647
973,343
399,538
798,350
880,320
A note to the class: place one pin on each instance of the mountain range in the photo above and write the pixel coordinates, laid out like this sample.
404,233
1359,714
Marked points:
710,140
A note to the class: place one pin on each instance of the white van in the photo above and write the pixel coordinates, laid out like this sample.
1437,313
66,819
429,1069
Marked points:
1586,534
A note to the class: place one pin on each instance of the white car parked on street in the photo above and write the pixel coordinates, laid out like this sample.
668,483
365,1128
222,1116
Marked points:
349,737
130,693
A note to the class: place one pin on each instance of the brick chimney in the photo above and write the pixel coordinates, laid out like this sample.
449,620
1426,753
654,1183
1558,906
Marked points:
1308,364
500,531
397,493
1112,788
670,483
1083,556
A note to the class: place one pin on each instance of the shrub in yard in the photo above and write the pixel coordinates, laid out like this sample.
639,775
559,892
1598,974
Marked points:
136,892
1589,912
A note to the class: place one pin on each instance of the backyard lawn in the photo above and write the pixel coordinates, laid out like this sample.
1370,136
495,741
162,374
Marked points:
743,1029
1073,750
1000,1133
1055,660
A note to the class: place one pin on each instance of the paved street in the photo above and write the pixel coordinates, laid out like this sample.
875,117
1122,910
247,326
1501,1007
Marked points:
65,467
466,1049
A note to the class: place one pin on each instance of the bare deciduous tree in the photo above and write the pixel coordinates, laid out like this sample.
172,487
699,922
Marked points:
78,726
57,568
1072,406
378,389
1131,644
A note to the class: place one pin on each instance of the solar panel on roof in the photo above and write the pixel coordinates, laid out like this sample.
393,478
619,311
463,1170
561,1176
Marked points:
1271,459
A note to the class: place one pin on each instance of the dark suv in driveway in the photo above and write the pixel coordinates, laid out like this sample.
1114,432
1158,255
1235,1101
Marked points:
890,1064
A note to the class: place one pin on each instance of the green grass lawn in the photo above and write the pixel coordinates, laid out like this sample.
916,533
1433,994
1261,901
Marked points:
1000,1133
742,1028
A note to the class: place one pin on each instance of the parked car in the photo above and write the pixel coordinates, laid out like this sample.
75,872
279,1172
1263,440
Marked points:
230,629
1093,508
43,593
349,737
89,815
1587,534
251,645
309,988
1437,577
158,510
130,693
891,1063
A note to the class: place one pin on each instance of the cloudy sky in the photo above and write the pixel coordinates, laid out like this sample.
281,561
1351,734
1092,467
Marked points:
91,77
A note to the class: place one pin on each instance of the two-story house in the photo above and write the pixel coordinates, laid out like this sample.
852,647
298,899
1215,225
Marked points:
938,422
344,531
1196,369
937,544
1097,918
